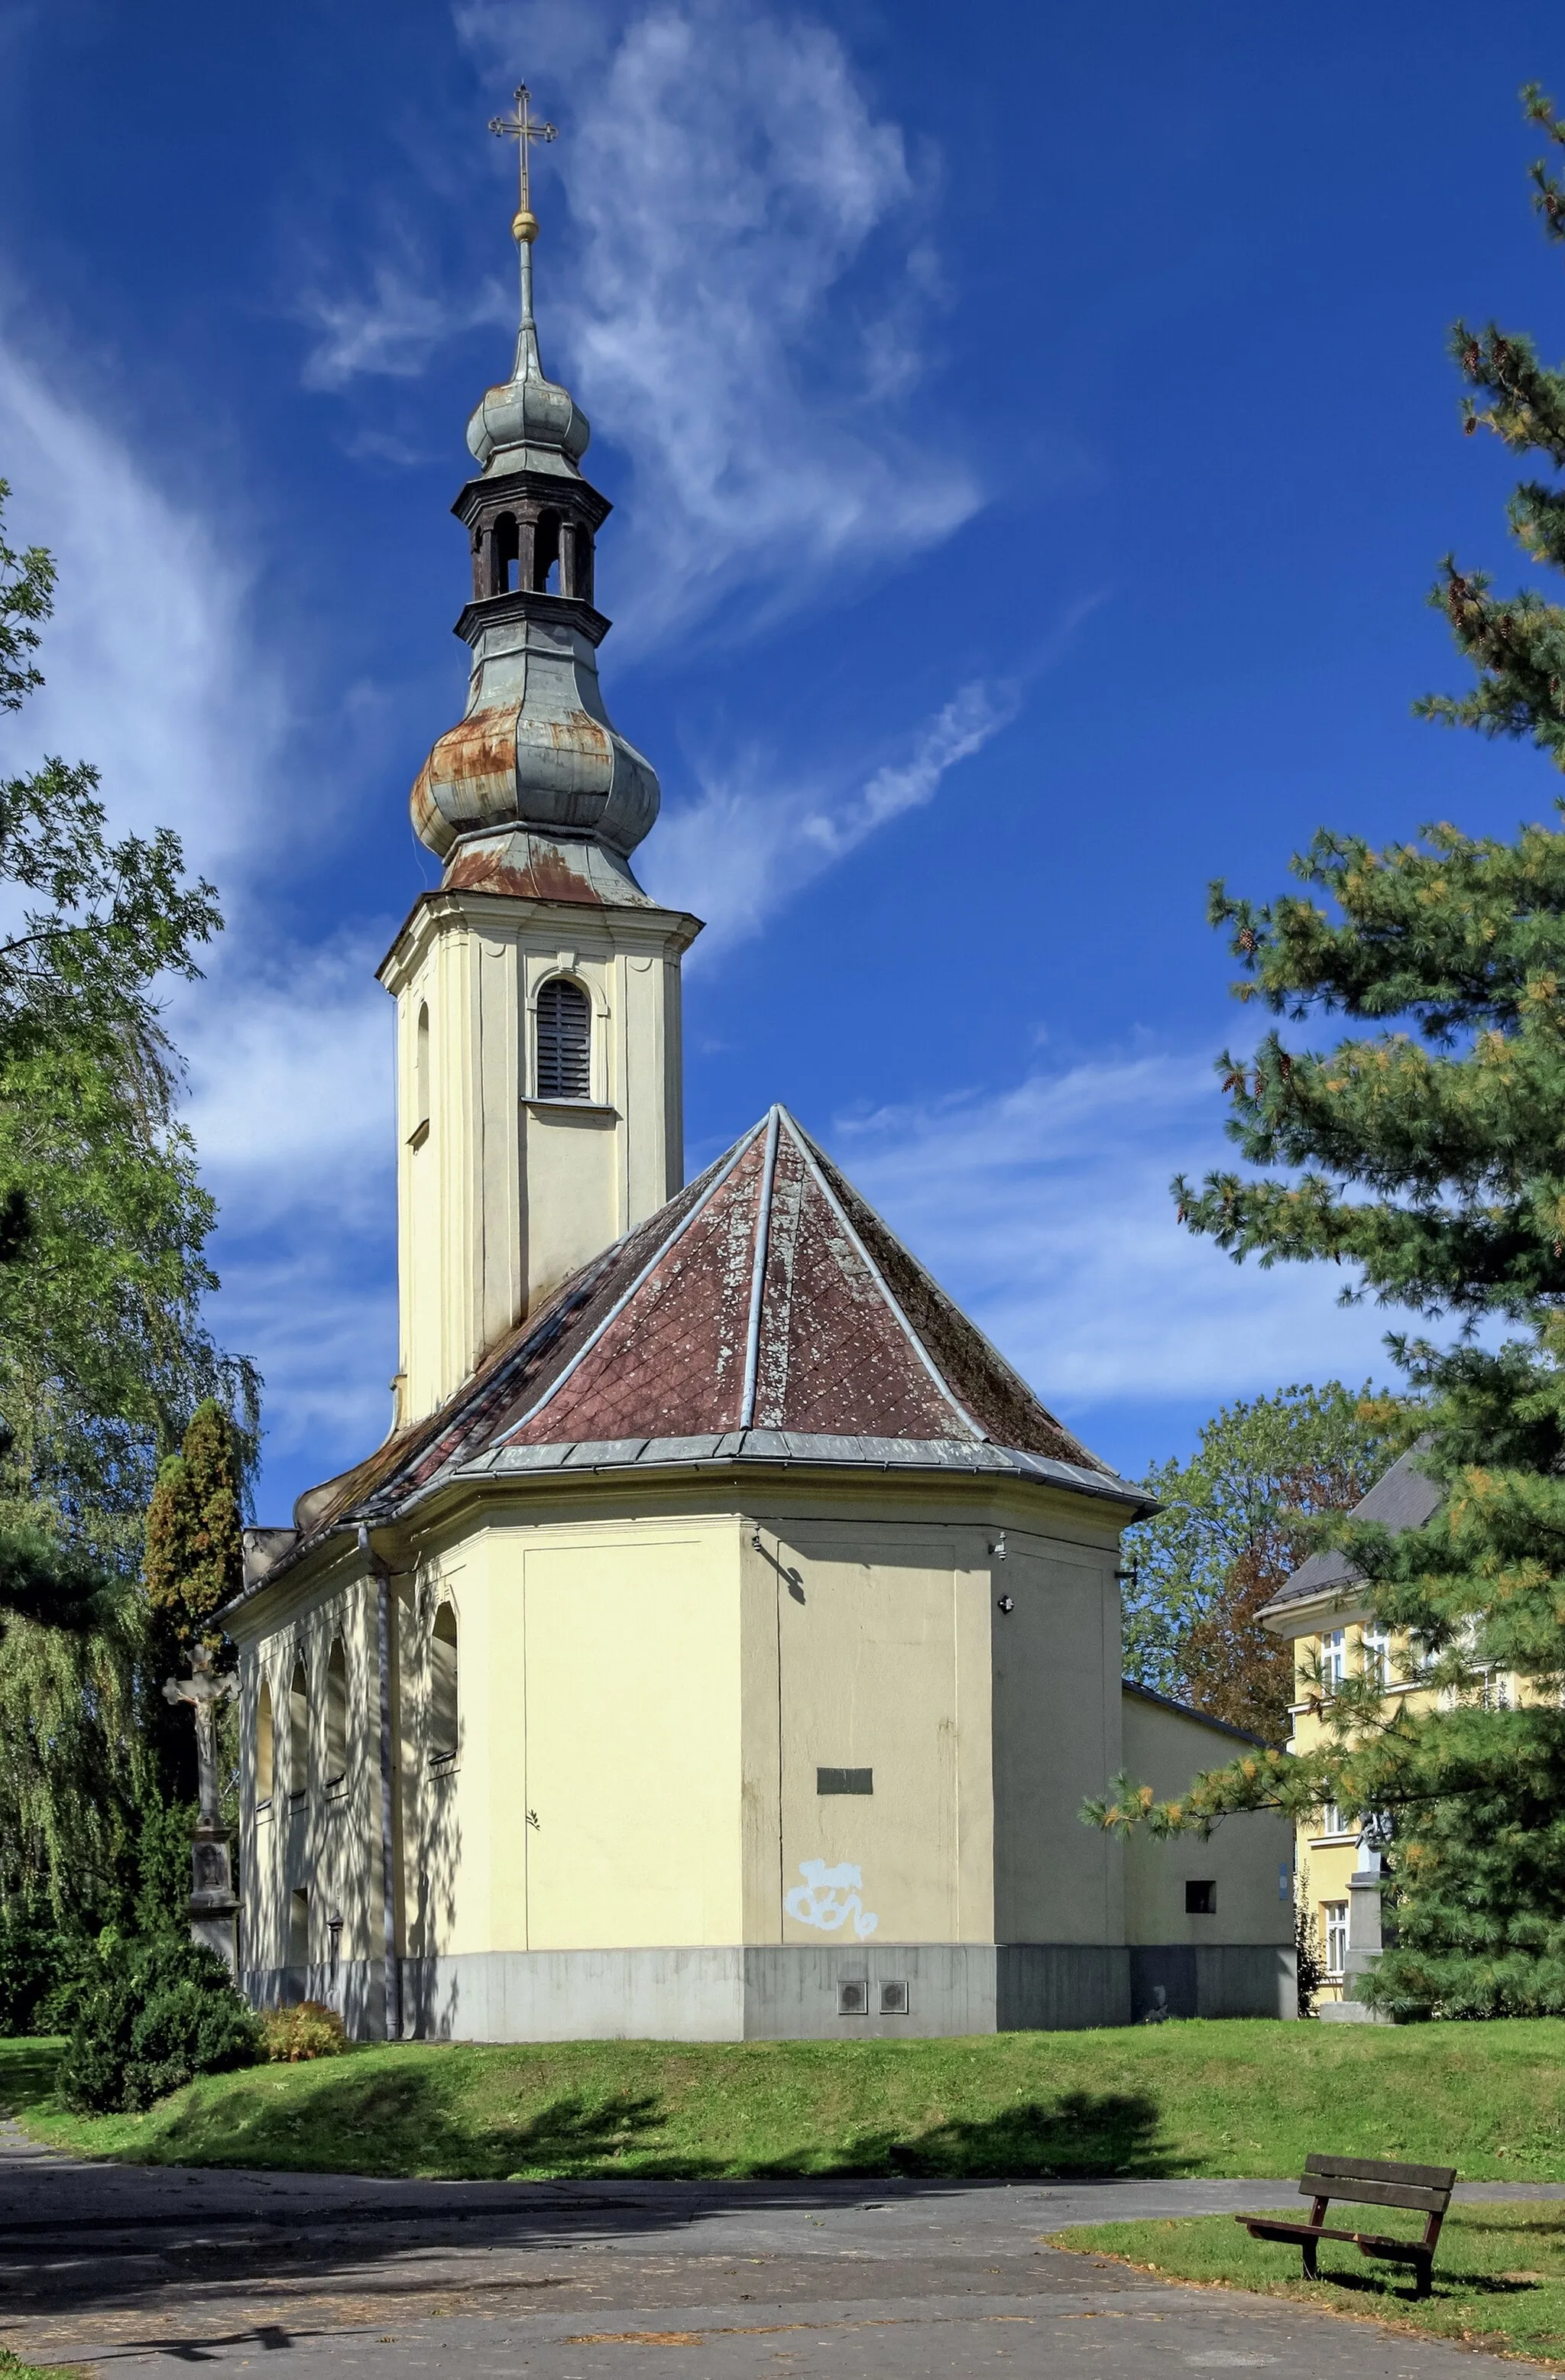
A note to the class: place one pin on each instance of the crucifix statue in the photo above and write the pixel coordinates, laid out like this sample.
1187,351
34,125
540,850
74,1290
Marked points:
206,1693
521,128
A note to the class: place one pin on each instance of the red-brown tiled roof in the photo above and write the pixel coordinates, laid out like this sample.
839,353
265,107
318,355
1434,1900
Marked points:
766,1296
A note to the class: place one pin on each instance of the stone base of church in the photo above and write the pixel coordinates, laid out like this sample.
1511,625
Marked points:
795,1991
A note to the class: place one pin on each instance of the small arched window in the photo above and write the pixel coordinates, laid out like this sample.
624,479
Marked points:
335,1768
546,554
298,1733
504,554
443,1712
264,1745
565,1040
421,1070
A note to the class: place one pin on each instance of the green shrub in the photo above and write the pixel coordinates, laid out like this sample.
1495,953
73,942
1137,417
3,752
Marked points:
37,1961
155,2013
310,2030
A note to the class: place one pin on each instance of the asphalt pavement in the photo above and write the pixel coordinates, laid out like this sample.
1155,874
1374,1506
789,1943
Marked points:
112,2265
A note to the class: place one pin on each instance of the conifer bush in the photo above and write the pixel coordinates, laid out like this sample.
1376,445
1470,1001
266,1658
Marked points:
152,2016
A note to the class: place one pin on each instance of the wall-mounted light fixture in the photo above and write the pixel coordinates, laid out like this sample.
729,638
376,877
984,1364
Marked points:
997,1552
1006,1603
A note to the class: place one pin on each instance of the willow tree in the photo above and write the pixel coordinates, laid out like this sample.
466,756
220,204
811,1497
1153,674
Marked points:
1424,1154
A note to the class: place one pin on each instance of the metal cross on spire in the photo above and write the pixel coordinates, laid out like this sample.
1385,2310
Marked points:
522,128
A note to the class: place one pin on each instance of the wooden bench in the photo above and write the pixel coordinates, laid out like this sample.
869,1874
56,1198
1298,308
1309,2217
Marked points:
1365,2182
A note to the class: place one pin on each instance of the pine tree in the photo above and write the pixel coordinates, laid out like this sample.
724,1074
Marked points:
1426,1155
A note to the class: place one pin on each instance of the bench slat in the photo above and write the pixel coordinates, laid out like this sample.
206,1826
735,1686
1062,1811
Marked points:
1422,2176
1373,2193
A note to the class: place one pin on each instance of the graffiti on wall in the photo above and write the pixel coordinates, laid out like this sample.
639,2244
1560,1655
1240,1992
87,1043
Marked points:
829,1897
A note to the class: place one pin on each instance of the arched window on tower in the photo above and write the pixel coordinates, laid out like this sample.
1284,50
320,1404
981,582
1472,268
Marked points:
265,1746
503,552
334,1766
565,1040
546,554
298,1733
444,1706
421,1074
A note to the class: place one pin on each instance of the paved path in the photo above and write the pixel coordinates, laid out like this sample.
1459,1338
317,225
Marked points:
118,2266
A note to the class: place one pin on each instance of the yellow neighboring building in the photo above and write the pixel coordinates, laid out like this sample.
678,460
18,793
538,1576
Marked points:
1323,1609
725,1638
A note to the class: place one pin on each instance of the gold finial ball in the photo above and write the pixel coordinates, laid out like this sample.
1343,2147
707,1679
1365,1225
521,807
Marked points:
524,225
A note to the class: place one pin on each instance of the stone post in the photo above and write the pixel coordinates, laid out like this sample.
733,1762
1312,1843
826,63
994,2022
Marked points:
214,1906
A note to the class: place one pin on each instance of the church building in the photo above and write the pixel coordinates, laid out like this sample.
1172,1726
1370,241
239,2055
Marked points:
725,1639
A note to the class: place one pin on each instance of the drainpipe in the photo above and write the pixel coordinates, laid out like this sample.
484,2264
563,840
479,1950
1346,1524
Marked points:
393,1985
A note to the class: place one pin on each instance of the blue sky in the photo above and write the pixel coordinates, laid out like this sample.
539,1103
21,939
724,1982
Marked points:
1032,441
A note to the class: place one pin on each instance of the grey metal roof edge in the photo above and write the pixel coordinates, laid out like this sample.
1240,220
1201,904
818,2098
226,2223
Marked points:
1188,1711
790,1449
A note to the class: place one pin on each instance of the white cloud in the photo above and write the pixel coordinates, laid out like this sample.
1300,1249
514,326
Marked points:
393,331
154,670
746,846
1045,1210
727,176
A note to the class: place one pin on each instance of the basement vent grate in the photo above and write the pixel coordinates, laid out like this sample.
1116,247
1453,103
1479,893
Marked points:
893,1999
844,1780
852,1999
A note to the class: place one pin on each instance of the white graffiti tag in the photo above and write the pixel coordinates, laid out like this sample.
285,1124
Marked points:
817,1900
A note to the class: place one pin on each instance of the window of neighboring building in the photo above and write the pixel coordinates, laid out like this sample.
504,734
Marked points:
1377,1644
1331,1819
265,1745
299,1928
444,1711
334,1766
1333,1653
1335,1915
1201,1897
565,1040
298,1733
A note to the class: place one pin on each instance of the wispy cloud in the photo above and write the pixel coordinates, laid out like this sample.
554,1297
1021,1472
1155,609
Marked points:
149,665
155,670
394,328
747,844
743,297
1045,1210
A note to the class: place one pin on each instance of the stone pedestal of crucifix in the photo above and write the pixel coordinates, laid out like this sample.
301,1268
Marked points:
214,1905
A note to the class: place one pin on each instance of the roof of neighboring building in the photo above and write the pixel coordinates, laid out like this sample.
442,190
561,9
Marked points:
1402,1498
1188,1711
765,1314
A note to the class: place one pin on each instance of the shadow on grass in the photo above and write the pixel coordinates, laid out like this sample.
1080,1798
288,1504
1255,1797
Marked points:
412,2121
1080,2134
26,2073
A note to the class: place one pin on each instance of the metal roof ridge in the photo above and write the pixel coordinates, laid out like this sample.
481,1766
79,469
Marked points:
801,1140
757,1273
594,1337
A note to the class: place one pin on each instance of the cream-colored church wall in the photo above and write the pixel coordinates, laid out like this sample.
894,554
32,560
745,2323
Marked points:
880,1668
1249,1859
595,1797
1057,1741
308,1836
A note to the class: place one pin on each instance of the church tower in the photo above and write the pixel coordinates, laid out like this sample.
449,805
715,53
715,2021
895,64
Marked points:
537,990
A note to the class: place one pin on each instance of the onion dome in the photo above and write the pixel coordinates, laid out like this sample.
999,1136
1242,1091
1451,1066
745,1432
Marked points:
529,424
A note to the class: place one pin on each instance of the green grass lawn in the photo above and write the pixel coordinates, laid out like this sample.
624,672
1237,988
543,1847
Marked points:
1499,2271
1240,2098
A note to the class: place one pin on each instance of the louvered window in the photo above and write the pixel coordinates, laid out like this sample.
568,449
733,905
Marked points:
564,1041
